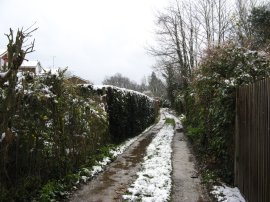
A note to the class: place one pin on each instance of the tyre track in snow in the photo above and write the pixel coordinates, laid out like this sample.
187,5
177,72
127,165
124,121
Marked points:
111,184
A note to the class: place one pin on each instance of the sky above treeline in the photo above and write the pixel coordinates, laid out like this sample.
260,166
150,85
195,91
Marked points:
93,38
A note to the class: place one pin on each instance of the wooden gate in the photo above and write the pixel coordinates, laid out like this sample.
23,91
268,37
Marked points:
252,141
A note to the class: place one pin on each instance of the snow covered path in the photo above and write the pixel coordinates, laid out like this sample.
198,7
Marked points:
168,171
157,167
153,183
111,184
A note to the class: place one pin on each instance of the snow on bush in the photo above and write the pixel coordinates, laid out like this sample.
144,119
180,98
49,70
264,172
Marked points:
210,103
54,129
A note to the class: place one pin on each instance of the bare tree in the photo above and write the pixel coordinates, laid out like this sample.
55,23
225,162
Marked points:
185,30
176,38
16,52
123,82
214,19
241,30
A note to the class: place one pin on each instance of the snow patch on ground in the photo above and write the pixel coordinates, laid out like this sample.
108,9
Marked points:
227,194
154,180
120,149
99,167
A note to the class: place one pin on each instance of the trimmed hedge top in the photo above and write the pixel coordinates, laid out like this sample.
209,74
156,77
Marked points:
129,112
124,91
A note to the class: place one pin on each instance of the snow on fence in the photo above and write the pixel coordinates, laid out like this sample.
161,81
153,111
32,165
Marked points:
252,157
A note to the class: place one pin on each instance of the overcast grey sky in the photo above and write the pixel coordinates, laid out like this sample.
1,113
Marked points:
94,38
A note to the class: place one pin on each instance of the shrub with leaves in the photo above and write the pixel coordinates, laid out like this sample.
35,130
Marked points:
211,102
129,112
56,128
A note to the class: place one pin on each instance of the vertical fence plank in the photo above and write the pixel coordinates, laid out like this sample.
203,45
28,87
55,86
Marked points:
252,141
267,142
236,154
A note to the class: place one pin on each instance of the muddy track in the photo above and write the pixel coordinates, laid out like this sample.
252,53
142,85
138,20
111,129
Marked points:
111,184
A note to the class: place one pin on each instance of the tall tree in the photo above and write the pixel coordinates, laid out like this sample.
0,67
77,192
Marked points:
123,82
176,42
156,86
214,19
184,30
259,19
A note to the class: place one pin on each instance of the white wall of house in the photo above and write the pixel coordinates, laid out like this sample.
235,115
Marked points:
31,65
2,53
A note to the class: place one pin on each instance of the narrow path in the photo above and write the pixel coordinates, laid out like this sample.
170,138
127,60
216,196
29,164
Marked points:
113,182
186,182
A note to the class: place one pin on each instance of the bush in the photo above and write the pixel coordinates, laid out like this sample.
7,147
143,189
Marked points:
210,99
56,128
59,127
129,112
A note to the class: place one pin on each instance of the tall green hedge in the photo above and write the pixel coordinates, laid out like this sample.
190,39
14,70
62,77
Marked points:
129,112
56,129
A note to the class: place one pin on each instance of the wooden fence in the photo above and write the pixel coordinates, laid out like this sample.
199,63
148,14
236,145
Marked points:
252,141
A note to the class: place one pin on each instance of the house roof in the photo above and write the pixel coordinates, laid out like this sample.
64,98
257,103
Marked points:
2,52
32,63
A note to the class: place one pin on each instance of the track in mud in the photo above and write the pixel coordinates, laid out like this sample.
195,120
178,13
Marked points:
113,182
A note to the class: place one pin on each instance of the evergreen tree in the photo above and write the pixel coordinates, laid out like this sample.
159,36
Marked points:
259,19
156,86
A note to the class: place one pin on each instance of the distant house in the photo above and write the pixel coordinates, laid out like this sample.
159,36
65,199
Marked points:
27,65
31,66
3,57
77,80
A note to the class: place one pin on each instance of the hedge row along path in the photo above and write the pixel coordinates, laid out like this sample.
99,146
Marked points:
116,180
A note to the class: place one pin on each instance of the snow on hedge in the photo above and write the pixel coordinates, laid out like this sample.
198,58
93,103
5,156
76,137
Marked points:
124,91
154,180
227,194
128,108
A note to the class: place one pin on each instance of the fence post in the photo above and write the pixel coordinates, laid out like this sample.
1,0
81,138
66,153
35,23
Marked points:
236,156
